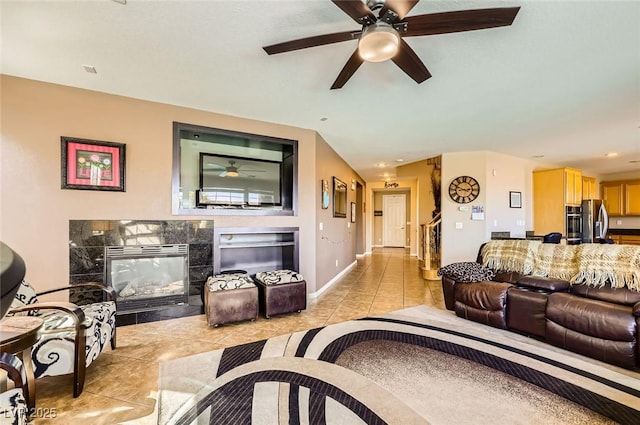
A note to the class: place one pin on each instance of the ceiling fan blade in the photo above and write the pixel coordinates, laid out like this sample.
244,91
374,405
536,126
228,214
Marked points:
318,40
408,61
400,7
349,69
357,10
458,21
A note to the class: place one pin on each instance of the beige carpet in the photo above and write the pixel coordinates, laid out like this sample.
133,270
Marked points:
414,366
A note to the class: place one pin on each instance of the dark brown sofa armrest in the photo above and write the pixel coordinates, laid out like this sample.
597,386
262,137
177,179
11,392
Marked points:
544,283
447,290
636,309
111,293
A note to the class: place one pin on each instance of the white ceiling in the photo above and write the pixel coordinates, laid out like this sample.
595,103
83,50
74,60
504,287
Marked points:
563,81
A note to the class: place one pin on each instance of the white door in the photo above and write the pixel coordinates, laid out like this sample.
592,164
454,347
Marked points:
393,220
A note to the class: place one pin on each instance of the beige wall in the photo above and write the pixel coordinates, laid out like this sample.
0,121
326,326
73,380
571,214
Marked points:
336,242
34,210
511,174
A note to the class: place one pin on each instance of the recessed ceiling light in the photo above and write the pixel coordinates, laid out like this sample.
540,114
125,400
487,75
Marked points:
121,1
381,164
399,160
324,119
537,156
635,161
90,69
611,154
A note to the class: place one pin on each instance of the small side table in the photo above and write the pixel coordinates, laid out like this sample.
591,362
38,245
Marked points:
17,335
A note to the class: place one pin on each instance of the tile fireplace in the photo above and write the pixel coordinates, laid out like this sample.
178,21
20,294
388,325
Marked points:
178,254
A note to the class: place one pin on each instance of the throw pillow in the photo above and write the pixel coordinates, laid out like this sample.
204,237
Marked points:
466,272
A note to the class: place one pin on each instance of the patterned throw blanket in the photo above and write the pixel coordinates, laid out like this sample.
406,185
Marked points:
617,264
510,255
556,261
587,264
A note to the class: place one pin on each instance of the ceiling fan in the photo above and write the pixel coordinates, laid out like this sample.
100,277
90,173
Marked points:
381,36
231,170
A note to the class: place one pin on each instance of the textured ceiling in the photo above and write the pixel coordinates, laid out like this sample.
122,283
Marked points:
563,81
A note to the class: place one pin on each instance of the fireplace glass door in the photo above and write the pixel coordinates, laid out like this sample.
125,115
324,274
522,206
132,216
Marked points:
148,277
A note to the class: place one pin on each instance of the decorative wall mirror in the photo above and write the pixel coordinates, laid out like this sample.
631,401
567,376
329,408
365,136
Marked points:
339,198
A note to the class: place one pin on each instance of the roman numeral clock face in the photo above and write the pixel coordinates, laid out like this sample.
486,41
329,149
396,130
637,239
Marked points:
464,189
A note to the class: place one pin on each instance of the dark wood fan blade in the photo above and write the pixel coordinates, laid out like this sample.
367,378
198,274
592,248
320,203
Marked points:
318,40
400,7
349,69
408,61
458,21
357,10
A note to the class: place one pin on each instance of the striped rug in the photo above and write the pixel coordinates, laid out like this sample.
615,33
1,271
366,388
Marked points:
415,366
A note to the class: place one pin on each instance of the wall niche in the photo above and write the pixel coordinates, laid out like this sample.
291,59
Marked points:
221,172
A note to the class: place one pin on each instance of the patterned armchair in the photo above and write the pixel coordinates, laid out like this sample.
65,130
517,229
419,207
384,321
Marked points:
67,329
13,405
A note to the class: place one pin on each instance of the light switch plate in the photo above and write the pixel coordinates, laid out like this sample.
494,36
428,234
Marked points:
458,225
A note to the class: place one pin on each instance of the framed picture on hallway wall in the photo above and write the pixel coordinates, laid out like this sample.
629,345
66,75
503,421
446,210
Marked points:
515,199
92,164
353,212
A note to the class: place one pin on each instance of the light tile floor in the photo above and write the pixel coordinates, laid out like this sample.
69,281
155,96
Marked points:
122,385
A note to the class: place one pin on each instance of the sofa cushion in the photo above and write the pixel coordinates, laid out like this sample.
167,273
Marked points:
466,272
545,283
591,317
606,293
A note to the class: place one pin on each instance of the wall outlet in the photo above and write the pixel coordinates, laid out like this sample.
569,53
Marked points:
618,221
458,225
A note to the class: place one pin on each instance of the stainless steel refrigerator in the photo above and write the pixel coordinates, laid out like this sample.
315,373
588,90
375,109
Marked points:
595,221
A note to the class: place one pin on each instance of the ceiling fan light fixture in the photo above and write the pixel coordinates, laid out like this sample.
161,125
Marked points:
232,173
378,42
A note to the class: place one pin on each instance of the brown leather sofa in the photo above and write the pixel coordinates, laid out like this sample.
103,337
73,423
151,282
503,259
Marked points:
601,323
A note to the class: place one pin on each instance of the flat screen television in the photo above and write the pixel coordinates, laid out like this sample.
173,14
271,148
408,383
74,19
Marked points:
236,181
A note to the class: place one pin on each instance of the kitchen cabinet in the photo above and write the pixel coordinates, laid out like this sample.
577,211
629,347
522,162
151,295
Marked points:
589,188
553,191
632,198
626,239
573,186
621,198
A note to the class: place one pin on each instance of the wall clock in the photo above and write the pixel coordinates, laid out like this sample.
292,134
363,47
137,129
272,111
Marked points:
464,189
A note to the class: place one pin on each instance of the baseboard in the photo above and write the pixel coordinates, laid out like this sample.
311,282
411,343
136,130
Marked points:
377,246
362,255
333,281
